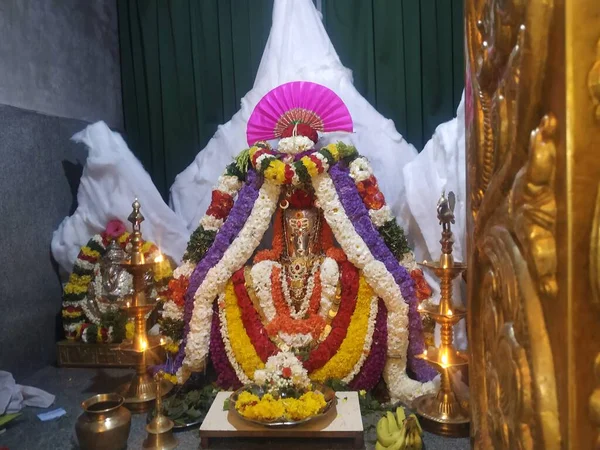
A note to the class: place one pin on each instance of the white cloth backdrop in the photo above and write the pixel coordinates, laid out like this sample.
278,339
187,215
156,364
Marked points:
298,49
112,178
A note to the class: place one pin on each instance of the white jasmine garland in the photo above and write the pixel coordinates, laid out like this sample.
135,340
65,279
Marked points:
229,184
211,223
184,270
172,311
380,280
294,144
227,343
360,169
380,216
261,280
296,340
272,374
368,341
235,256
330,275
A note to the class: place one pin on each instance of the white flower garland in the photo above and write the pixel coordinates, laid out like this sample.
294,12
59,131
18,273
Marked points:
368,341
296,340
184,270
261,280
330,275
293,145
360,169
227,343
211,223
235,256
273,371
172,311
380,280
380,216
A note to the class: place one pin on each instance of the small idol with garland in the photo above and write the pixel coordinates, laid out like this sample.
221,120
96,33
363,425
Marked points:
338,289
93,294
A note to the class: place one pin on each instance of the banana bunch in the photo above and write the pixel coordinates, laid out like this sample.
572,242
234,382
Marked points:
398,432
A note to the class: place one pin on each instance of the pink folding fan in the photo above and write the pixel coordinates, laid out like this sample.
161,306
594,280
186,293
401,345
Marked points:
295,103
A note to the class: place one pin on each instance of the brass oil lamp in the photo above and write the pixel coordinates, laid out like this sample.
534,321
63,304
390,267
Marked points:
141,390
444,412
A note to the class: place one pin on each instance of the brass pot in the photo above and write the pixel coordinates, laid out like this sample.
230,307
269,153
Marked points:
105,423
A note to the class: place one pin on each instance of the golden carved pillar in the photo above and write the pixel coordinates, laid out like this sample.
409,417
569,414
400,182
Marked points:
533,156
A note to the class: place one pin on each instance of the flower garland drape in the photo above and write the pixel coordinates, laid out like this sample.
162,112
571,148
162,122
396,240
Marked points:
355,211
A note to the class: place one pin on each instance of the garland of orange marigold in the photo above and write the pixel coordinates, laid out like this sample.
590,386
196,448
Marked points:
313,324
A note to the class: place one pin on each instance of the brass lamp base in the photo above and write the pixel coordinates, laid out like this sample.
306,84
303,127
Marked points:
163,441
140,392
440,417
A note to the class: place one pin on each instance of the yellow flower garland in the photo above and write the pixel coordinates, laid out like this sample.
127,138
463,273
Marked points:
243,350
351,348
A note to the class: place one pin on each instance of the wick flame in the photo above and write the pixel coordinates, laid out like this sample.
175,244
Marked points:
144,345
449,312
444,360
160,258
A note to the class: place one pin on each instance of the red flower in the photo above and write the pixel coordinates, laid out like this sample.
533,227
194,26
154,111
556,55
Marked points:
301,130
220,204
286,372
423,290
300,199
177,289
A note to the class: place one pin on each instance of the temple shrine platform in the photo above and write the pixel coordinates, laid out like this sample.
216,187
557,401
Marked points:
71,386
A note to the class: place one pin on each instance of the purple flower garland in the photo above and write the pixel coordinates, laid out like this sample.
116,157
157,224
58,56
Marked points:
370,373
359,216
227,233
227,378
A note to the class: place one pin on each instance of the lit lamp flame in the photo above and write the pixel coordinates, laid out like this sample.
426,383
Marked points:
144,345
128,304
162,341
425,352
160,258
420,307
449,312
444,360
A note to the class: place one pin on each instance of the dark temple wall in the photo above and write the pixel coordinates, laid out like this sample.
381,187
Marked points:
61,59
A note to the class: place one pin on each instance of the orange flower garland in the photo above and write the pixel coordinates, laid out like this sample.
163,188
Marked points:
276,251
313,324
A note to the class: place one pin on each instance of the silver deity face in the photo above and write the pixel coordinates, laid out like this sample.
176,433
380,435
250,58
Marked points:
302,227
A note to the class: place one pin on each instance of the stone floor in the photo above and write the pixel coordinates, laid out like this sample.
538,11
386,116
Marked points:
72,386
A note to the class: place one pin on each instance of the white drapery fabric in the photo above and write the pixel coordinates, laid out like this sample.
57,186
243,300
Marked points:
112,178
298,49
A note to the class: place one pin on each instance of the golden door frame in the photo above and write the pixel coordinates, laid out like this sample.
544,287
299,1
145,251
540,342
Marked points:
533,167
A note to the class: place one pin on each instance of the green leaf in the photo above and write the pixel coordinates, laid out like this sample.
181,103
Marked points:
5,418
226,405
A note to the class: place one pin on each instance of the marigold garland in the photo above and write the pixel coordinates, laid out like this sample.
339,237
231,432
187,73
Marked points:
349,353
339,325
313,324
243,350
266,162
256,332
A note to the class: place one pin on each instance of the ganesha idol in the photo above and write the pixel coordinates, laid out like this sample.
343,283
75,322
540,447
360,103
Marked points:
337,287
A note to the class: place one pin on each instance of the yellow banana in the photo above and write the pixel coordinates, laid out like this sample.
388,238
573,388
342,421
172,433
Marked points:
378,446
416,419
392,424
400,443
382,428
400,415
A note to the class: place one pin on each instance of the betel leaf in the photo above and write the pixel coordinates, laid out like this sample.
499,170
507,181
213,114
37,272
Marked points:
226,404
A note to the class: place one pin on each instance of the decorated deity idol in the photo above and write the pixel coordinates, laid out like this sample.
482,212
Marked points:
337,288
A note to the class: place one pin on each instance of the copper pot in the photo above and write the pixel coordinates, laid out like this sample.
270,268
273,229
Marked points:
105,423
